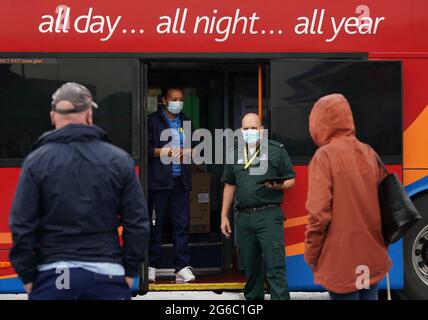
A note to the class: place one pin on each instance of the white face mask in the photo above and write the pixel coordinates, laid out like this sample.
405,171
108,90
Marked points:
175,107
251,136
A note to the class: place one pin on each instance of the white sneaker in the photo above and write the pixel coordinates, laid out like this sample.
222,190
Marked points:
152,274
184,275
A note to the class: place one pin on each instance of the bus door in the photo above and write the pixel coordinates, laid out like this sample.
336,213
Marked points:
374,91
216,94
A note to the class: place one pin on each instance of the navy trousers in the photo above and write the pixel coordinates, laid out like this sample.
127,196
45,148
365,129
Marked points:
177,200
82,285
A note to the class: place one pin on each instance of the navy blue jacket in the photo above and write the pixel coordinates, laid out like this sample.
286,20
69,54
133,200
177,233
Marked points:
160,175
74,191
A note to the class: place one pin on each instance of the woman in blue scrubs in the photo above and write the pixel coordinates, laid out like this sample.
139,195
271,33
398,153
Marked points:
169,183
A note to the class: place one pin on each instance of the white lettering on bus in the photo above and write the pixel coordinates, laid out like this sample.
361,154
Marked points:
87,23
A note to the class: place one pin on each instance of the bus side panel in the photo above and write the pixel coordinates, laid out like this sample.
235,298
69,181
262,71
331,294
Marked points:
415,112
415,101
9,283
8,182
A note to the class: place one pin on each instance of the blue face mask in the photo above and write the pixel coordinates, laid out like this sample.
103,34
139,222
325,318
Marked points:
175,107
251,136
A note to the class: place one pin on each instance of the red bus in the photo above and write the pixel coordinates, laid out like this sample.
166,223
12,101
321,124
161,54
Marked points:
231,57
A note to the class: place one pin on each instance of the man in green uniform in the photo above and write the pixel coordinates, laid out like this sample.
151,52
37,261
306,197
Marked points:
260,231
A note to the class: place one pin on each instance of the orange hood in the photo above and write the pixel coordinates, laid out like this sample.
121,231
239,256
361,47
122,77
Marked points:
331,117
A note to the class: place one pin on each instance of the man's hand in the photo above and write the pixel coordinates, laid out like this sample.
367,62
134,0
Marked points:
228,195
280,186
129,281
28,287
176,153
274,185
225,227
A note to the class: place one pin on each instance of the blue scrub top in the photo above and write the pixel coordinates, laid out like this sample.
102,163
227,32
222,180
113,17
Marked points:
177,140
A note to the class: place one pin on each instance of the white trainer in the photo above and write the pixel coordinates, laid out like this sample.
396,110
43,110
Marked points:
184,275
152,274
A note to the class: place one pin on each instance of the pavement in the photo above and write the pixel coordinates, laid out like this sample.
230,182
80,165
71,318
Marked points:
197,295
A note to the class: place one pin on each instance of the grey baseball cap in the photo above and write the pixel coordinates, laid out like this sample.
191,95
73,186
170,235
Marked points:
78,95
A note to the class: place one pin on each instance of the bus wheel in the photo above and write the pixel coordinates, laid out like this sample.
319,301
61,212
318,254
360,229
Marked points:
415,255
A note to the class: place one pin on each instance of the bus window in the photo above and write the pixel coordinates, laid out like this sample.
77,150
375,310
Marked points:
25,99
373,89
25,91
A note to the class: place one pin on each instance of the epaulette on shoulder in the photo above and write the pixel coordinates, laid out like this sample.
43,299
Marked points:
276,143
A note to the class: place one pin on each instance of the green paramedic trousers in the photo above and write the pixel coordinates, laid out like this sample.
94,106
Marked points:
261,253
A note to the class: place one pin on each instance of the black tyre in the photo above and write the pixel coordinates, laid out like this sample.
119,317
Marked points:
415,255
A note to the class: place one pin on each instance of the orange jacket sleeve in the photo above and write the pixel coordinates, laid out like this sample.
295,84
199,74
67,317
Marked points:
318,206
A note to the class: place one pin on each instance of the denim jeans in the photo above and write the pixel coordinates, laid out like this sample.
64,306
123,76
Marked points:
364,294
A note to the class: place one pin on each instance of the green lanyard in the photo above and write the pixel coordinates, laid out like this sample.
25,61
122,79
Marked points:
247,162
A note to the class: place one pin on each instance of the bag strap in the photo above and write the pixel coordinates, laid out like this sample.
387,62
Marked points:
388,287
380,162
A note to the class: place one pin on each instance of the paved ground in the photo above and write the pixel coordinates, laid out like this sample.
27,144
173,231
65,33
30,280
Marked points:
196,295
208,295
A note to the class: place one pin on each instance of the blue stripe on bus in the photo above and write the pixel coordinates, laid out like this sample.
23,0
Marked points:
417,186
300,275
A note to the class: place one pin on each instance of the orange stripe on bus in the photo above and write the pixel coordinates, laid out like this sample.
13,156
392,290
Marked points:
415,153
5,238
291,250
294,222
295,249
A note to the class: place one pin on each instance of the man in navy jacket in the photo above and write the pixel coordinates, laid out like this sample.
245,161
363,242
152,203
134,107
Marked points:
74,191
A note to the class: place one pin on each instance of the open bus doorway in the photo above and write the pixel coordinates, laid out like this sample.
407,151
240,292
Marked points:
217,94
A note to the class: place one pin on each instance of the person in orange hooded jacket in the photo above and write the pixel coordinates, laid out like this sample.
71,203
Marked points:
343,240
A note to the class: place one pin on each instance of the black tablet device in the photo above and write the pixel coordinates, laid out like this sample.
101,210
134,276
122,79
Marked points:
274,179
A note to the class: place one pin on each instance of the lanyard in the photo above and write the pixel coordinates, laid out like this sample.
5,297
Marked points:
247,162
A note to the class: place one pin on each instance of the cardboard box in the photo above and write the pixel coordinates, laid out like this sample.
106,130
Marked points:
200,204
198,168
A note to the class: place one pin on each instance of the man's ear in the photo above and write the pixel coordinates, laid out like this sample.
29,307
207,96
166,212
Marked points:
52,116
89,117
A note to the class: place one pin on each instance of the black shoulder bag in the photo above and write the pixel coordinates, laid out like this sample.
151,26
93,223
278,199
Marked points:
398,212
